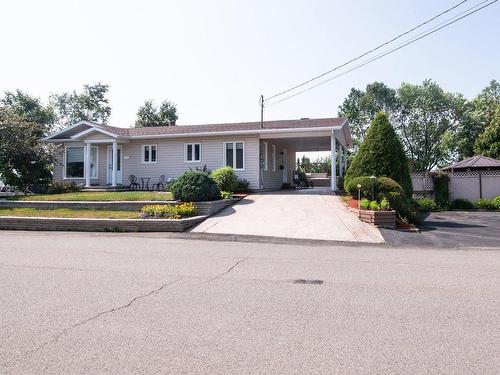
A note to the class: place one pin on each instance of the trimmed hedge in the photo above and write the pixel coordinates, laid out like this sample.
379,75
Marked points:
441,189
195,186
225,178
381,154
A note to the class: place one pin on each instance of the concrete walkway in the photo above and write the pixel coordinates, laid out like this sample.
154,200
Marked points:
309,214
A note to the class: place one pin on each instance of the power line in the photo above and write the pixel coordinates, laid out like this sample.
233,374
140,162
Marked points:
410,41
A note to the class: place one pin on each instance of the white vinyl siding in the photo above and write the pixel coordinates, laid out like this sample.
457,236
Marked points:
192,152
149,154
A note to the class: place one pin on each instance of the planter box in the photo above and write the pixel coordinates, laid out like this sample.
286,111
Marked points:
384,219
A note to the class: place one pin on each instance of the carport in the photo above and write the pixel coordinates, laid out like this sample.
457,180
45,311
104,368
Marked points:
278,150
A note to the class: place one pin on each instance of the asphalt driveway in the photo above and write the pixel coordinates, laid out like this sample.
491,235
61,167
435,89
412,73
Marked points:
306,214
452,229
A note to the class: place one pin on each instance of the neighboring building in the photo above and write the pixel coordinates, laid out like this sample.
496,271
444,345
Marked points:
475,163
94,154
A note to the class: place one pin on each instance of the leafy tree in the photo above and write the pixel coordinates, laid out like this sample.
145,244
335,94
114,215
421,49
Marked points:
381,154
426,118
24,160
488,143
150,115
29,108
361,107
91,104
479,114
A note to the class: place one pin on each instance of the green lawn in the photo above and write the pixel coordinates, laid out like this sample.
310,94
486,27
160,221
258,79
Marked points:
99,196
68,213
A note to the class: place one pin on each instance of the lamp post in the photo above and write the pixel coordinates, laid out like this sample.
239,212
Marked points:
372,179
359,199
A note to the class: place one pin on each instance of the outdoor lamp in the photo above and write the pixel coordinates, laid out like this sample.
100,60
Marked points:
372,179
359,197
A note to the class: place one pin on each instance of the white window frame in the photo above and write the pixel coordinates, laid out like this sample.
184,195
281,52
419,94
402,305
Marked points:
234,154
273,148
84,158
193,145
266,166
150,146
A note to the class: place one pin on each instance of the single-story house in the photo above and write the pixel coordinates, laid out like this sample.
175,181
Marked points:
263,154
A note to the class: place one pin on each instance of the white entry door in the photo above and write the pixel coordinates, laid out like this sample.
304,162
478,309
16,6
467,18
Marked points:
285,165
118,165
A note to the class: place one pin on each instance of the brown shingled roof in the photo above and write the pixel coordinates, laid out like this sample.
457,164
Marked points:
475,162
208,128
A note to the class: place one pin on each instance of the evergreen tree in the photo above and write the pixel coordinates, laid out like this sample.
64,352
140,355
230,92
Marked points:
381,154
488,143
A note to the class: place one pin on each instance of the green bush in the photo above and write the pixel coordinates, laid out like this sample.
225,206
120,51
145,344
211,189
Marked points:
496,200
177,211
195,186
384,204
462,204
381,154
486,204
225,178
374,206
61,187
441,190
168,185
226,195
241,186
387,188
426,204
364,204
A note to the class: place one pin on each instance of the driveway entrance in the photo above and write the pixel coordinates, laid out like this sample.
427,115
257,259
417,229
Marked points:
308,214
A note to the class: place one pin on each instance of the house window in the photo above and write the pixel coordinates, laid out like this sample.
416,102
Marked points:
192,152
75,162
234,155
149,153
273,147
265,156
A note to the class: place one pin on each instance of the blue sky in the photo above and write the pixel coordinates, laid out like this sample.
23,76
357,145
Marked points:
215,58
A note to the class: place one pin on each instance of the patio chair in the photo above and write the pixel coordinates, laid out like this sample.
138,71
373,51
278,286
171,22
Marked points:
134,185
300,180
161,182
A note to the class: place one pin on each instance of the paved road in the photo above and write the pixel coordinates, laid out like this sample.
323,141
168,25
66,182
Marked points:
76,303
451,229
304,214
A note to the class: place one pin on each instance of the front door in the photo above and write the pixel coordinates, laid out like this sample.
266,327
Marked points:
118,165
285,166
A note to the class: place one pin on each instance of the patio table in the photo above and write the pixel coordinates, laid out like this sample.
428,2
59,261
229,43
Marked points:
145,180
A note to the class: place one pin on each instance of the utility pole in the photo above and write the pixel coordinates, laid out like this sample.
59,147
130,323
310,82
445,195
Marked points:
262,111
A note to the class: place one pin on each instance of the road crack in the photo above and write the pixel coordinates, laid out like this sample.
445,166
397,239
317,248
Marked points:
56,338
225,272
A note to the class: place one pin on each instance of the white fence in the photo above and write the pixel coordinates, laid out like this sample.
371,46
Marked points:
463,185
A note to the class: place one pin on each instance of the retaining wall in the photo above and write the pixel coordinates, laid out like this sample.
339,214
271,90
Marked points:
98,225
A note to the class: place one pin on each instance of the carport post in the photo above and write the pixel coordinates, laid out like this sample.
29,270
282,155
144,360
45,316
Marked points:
333,157
86,165
341,160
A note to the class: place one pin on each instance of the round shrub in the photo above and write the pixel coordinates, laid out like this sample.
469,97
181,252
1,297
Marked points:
225,178
381,154
426,204
383,186
195,186
462,204
242,186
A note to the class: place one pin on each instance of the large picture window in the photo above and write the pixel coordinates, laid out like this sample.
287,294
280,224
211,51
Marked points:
192,152
234,155
149,153
75,162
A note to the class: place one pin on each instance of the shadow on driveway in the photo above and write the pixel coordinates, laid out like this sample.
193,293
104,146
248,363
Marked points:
451,229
